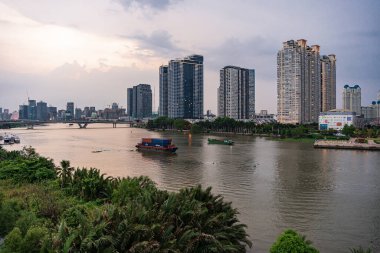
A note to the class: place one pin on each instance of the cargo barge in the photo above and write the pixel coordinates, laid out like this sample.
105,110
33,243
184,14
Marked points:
156,145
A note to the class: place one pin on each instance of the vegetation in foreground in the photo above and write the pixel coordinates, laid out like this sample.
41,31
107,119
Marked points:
44,208
49,209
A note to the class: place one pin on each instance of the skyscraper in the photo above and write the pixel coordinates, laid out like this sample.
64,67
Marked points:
42,111
32,110
70,111
299,82
130,101
185,88
352,98
23,112
236,93
163,105
328,83
140,101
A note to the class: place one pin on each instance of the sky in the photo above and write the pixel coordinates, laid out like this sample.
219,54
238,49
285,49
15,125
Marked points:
91,51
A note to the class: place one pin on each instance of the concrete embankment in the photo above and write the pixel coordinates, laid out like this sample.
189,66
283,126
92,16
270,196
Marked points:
350,144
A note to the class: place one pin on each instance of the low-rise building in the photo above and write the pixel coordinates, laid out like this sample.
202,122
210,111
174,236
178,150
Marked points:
336,119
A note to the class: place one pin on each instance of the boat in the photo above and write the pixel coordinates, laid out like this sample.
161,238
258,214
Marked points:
9,139
223,142
156,144
70,124
16,139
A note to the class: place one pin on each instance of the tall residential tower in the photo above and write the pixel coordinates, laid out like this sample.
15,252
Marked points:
184,88
352,97
140,101
299,79
236,93
163,107
328,83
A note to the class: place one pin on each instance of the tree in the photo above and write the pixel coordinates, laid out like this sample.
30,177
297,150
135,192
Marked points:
360,250
65,173
291,242
348,130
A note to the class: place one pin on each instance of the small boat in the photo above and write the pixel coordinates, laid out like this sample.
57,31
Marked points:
156,144
70,124
9,139
223,142
16,139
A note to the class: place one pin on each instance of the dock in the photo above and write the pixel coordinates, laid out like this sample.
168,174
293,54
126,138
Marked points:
350,144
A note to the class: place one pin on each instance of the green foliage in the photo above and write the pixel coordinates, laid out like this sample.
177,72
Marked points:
25,166
85,211
291,242
181,124
9,213
35,239
13,241
195,129
89,184
360,250
348,130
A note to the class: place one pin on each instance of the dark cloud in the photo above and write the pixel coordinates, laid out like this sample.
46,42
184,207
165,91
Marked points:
255,52
153,4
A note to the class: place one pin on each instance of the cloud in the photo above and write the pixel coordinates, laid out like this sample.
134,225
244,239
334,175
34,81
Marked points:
159,43
254,52
152,4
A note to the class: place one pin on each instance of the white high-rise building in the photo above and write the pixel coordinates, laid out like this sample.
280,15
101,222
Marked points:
236,93
352,98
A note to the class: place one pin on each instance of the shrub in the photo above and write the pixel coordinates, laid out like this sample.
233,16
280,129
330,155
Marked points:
290,242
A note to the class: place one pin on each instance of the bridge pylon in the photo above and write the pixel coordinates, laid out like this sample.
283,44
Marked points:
82,125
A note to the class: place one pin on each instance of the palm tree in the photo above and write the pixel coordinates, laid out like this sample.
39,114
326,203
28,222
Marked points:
360,250
65,173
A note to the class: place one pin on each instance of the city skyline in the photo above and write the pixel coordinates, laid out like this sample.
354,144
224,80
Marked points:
50,49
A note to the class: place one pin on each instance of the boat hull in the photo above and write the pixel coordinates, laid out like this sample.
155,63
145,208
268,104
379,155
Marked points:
221,142
169,149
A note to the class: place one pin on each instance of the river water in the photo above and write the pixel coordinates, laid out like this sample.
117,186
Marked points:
331,196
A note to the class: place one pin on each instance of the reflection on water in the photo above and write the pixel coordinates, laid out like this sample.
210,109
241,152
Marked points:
332,196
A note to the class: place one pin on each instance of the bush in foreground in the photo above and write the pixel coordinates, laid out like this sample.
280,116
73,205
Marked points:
292,242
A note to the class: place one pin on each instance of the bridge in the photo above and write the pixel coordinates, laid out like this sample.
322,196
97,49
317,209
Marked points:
81,123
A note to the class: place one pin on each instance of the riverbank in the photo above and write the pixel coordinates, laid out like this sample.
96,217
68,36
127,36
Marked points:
350,144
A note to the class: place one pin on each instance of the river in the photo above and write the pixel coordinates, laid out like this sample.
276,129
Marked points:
331,196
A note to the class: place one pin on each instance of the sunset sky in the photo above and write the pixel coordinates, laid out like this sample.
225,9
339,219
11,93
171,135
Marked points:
91,51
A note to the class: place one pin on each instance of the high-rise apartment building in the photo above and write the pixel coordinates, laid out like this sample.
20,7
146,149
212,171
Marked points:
236,93
299,92
42,111
328,83
352,97
163,105
32,110
23,112
184,88
52,112
140,101
70,111
129,101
